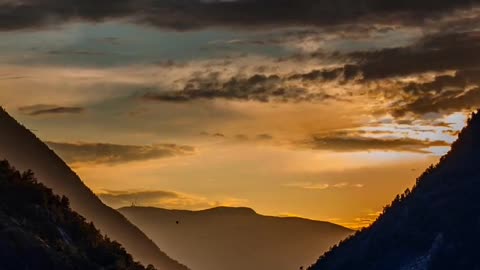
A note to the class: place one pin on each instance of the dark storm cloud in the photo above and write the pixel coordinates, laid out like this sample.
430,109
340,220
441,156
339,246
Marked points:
100,153
194,14
346,143
42,109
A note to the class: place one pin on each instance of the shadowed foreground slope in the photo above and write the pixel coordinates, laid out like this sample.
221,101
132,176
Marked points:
23,149
434,226
236,238
38,230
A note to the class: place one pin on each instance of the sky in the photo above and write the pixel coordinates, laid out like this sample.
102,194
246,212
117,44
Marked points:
323,109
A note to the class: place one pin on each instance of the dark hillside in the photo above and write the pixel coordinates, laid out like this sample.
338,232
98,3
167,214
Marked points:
434,226
22,148
38,230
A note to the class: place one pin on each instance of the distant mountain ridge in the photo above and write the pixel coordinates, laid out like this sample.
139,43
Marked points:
434,226
25,151
239,211
38,230
236,238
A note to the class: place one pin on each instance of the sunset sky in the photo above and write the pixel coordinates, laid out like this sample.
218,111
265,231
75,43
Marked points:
319,109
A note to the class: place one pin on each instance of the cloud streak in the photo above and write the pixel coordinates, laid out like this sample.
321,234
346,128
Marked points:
136,197
345,143
162,198
40,109
102,153
323,186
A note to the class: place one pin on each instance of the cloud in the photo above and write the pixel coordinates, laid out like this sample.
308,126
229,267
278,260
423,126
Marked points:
41,109
401,74
129,197
436,52
348,72
21,14
102,153
195,14
323,186
445,102
459,81
377,72
348,143
162,199
364,72
258,87
241,138
264,137
218,135
444,94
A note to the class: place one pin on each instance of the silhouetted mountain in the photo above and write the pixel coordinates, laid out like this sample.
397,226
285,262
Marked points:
236,238
25,151
434,226
38,230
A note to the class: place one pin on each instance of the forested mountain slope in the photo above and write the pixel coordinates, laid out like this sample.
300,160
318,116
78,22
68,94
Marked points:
434,226
38,230
23,149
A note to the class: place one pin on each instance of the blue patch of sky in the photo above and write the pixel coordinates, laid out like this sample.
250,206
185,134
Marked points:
119,43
